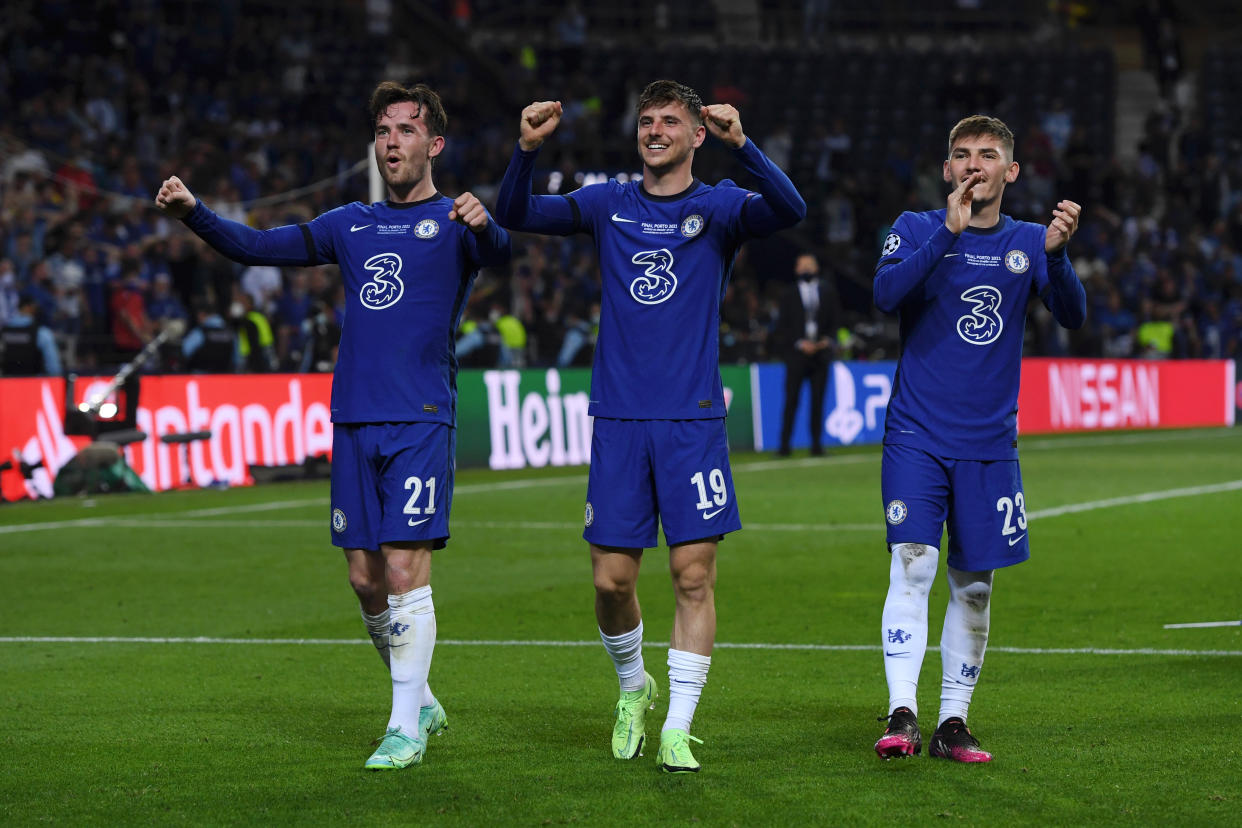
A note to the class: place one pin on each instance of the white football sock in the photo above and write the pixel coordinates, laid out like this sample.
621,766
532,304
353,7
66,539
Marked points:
964,639
412,638
626,651
687,674
377,627
904,621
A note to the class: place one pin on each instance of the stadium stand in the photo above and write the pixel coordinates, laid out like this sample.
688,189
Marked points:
263,113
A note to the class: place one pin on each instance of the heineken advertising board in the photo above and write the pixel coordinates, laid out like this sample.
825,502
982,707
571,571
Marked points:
511,419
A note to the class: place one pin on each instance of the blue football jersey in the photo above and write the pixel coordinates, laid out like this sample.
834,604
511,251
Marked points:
407,271
664,264
962,319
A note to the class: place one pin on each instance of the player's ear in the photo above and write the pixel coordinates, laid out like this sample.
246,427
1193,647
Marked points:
1011,174
436,146
700,135
948,176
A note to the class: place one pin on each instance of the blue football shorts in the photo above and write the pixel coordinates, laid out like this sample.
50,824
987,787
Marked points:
981,502
391,482
647,472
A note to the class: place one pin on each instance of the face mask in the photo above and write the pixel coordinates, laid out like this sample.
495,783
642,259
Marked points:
806,277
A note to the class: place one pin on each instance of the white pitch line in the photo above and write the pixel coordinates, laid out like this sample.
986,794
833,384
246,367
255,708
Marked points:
1201,624
1147,497
1071,441
724,645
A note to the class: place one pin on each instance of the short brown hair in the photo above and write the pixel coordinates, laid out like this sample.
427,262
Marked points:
977,125
663,92
421,95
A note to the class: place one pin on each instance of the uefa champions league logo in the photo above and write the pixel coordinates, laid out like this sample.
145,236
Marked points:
385,288
891,243
657,284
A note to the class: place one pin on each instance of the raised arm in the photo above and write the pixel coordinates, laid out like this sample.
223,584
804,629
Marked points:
516,206
779,205
289,245
1065,295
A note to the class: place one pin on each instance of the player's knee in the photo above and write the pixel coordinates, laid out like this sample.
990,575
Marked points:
972,589
914,567
694,581
611,587
367,589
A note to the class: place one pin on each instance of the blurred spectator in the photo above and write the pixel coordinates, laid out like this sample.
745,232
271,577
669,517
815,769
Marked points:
163,305
1115,325
29,347
256,344
262,283
293,307
322,333
778,146
131,327
210,347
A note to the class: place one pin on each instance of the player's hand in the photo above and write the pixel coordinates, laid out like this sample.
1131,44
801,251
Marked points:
723,121
539,120
174,198
957,209
469,211
1063,225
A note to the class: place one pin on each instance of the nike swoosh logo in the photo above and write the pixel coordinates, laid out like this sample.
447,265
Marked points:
617,218
1017,539
710,515
894,655
419,522
947,255
356,227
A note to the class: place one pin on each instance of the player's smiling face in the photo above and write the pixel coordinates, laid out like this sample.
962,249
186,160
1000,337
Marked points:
984,154
404,147
667,135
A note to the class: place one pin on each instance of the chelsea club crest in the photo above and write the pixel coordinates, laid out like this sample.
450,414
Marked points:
895,512
338,521
426,229
1017,261
691,226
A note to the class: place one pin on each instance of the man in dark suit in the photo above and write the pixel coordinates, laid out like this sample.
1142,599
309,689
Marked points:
806,336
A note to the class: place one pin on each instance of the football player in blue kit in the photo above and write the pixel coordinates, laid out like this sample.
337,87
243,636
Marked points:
408,264
659,450
960,280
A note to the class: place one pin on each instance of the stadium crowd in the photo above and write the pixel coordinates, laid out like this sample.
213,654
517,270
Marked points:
98,107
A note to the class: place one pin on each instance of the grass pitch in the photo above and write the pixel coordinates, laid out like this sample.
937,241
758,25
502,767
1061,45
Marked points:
1095,712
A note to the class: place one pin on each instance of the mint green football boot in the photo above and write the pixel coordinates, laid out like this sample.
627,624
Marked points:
396,751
